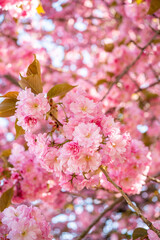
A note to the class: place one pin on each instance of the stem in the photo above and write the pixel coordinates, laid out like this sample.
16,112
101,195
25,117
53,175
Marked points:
59,123
154,179
83,234
151,85
118,77
11,79
63,108
136,209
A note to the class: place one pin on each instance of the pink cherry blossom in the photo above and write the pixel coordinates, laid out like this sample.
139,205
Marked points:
83,107
25,223
31,109
88,135
109,50
152,235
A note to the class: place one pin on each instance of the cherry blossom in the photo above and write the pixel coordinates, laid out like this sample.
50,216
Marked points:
56,151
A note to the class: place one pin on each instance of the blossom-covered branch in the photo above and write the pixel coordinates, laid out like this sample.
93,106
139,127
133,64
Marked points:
126,70
136,209
60,132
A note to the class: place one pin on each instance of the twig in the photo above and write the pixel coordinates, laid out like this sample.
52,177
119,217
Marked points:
151,85
8,36
11,79
118,77
154,72
136,209
134,81
132,41
83,234
154,30
57,121
153,179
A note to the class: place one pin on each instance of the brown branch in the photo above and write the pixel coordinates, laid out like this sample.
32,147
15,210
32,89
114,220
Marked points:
10,37
58,122
83,234
132,41
151,85
153,179
126,70
154,30
11,79
154,72
136,209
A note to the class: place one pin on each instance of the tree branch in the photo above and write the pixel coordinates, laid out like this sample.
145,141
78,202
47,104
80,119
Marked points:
118,77
10,37
151,85
83,234
153,179
136,209
11,79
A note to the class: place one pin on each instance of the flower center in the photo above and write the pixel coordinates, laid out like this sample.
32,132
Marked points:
35,105
24,233
84,108
88,158
88,135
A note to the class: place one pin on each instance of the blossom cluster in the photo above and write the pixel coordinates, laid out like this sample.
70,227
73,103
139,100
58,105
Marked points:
24,223
84,140
31,109
19,8
29,180
27,176
66,43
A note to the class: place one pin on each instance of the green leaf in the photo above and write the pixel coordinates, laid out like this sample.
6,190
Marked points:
64,5
8,107
147,140
6,153
109,47
19,130
69,206
33,79
5,199
5,174
59,90
101,81
155,41
110,74
4,156
12,95
154,6
139,233
149,95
